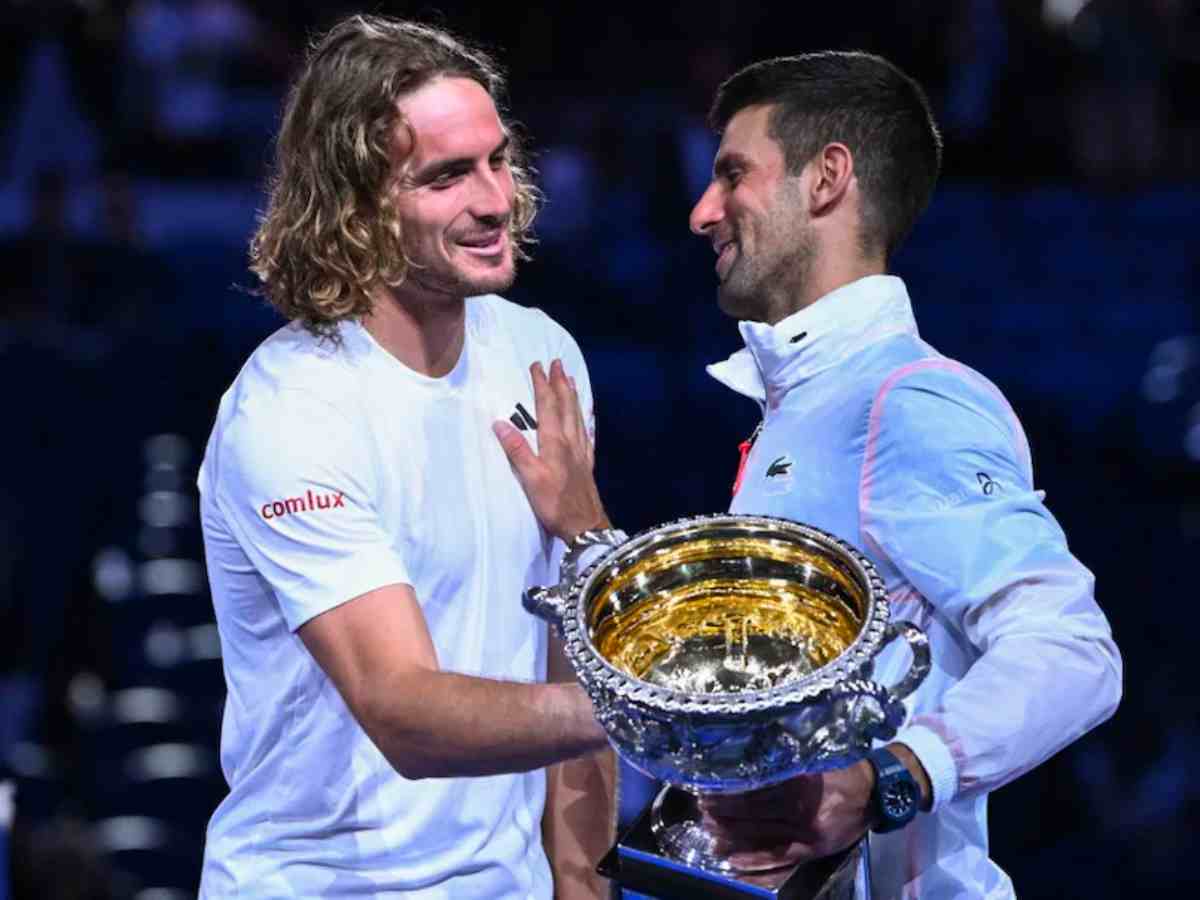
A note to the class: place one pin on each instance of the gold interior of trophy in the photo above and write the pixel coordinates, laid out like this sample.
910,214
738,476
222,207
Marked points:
729,613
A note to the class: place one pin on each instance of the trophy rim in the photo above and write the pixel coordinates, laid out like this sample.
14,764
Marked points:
596,672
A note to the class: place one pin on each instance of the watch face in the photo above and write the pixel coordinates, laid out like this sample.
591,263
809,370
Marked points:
898,799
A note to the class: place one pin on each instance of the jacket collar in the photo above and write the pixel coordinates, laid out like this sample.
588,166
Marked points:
779,357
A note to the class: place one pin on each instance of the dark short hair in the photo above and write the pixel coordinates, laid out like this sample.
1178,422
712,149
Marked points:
857,99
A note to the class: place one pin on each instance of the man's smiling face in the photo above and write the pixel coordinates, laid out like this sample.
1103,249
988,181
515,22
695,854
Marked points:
753,213
454,190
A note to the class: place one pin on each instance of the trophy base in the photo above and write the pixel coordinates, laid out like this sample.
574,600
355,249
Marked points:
640,863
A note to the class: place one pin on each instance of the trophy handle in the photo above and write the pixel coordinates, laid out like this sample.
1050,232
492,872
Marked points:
545,603
918,643
550,603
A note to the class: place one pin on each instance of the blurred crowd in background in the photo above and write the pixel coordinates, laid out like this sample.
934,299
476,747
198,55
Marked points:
1060,258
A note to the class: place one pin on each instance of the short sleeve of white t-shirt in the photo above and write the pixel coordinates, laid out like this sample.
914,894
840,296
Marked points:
295,488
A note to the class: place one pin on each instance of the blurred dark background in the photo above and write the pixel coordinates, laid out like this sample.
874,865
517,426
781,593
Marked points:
1059,257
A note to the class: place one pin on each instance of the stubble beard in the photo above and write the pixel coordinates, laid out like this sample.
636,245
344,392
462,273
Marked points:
457,286
450,283
762,289
765,287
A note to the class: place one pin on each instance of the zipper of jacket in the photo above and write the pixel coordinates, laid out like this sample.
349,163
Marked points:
744,448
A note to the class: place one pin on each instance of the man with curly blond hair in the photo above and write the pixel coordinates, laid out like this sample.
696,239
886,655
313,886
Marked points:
389,726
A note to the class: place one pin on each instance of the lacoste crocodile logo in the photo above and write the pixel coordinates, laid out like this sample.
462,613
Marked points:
779,478
780,467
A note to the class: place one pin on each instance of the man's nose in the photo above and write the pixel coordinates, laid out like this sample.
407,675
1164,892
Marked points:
707,211
493,195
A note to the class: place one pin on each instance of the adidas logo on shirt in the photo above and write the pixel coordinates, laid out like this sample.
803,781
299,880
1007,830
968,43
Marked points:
522,419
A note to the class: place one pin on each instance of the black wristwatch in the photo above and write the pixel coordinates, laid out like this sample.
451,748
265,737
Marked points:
896,796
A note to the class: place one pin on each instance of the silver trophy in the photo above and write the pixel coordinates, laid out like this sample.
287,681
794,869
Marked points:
728,653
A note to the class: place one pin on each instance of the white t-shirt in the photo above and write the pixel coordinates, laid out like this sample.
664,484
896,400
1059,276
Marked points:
331,471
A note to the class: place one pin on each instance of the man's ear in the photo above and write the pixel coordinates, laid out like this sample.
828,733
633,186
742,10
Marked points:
832,173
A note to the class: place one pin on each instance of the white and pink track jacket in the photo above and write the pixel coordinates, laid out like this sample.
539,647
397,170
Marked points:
919,461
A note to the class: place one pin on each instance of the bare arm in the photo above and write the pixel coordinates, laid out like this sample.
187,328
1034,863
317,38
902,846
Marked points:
377,651
579,824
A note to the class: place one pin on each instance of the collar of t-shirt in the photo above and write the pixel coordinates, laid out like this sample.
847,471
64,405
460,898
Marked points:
363,346
779,357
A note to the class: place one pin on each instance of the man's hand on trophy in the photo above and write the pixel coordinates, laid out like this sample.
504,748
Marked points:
806,818
558,478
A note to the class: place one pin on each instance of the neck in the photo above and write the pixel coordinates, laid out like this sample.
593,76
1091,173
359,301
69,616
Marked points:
425,335
830,271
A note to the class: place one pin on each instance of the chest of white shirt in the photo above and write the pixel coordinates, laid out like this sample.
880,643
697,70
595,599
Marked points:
446,487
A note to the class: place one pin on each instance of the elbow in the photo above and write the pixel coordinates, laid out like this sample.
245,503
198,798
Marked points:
410,762
1111,709
413,767
1100,679
397,738
413,760
1114,680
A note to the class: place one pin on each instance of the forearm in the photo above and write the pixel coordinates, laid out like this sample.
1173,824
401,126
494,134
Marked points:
579,824
947,508
432,724
1041,667
1024,700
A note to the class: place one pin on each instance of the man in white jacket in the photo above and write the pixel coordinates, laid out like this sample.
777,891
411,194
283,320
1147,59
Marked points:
825,163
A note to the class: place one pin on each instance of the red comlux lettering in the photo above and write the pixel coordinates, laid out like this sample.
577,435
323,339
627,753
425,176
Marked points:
307,503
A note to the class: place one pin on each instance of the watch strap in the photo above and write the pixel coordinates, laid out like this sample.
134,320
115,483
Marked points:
891,773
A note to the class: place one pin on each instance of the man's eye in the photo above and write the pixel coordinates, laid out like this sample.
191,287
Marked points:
444,180
499,162
733,176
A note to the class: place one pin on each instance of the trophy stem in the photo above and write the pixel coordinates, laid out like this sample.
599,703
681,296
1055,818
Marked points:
678,827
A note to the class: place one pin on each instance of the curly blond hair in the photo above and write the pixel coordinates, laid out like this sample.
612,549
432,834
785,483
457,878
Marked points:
330,236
